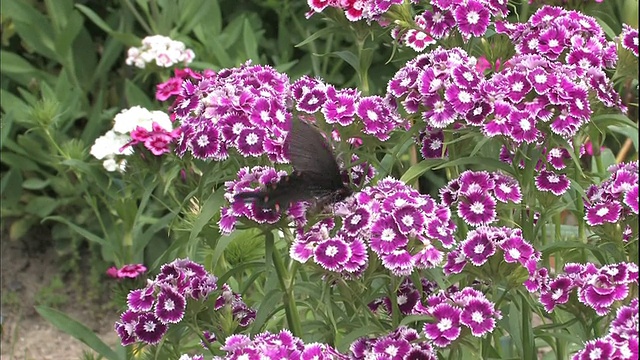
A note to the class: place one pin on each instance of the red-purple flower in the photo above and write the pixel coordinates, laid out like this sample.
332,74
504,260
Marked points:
629,39
479,315
446,327
550,181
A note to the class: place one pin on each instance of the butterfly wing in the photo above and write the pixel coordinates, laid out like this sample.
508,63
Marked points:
311,155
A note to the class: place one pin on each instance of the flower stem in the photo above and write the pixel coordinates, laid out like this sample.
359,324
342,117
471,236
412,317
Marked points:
291,312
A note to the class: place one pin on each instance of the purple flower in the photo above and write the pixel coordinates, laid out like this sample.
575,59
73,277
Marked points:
141,300
418,40
599,349
125,328
456,261
478,247
150,329
506,189
557,293
516,249
477,208
629,38
171,306
331,254
472,19
446,327
340,106
598,214
378,116
557,184
478,315
631,198
432,144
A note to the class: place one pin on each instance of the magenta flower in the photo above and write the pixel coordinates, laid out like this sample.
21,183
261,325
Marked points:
456,261
631,199
478,247
446,327
599,213
477,208
557,293
478,315
149,328
557,184
170,306
629,38
472,18
331,254
599,349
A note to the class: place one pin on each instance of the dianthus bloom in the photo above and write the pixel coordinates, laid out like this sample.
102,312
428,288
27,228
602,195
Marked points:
400,225
452,310
131,126
478,193
596,287
402,343
282,345
621,341
164,300
161,50
615,200
131,271
629,39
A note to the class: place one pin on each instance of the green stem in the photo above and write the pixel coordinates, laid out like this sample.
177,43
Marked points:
291,311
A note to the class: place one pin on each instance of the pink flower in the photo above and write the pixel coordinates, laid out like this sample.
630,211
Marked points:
131,271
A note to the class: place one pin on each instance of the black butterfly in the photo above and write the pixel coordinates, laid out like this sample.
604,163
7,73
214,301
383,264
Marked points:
316,173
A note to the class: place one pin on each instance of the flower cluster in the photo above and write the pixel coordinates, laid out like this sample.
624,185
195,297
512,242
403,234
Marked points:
451,310
470,18
164,301
131,126
397,223
577,48
354,10
161,50
250,180
621,342
629,39
596,287
130,271
402,343
483,242
378,115
282,345
442,86
245,108
615,199
476,194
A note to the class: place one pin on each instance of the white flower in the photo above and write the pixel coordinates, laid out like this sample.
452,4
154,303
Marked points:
109,145
129,119
162,50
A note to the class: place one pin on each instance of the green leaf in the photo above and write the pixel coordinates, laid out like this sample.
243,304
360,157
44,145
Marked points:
135,96
420,168
209,209
95,18
81,231
42,206
78,331
250,42
11,63
35,184
350,58
485,162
